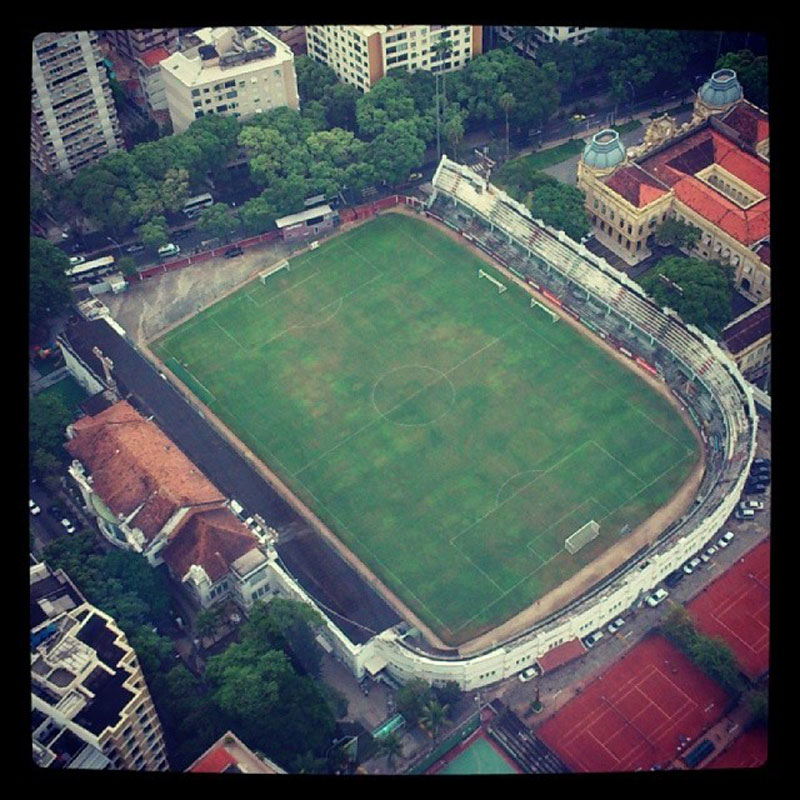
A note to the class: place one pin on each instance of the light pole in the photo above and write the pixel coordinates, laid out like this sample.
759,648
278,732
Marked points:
633,94
114,241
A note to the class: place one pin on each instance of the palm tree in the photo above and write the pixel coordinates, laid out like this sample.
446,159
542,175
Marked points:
391,747
432,718
442,48
506,102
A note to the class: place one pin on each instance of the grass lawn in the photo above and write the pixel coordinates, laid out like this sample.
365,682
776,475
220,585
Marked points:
451,436
627,127
554,155
69,391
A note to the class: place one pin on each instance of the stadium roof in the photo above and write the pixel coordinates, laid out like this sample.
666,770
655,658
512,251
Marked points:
310,213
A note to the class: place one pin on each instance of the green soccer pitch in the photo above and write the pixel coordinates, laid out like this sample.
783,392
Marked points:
451,436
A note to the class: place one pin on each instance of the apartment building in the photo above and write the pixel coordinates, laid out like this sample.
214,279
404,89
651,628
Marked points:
151,82
90,705
133,43
73,117
548,34
233,71
363,54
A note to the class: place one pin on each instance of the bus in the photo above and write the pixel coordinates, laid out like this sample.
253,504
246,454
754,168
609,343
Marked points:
194,205
90,269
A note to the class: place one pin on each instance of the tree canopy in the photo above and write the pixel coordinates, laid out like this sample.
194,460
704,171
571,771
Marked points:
705,294
49,287
562,207
678,233
752,72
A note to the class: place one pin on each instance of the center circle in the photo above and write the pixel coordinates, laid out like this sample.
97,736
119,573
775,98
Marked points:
413,395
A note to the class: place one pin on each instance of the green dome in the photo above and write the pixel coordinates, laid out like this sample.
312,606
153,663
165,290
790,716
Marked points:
604,151
721,89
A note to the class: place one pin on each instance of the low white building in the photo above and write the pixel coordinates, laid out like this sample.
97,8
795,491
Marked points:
230,71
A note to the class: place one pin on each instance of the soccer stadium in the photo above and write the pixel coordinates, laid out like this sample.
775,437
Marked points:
504,433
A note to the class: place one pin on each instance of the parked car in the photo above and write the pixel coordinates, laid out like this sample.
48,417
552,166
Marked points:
744,514
674,578
528,674
136,247
232,252
182,233
658,597
705,558
168,250
757,488
760,461
415,176
725,539
711,549
75,261
756,505
67,525
592,639
33,508
690,566
614,626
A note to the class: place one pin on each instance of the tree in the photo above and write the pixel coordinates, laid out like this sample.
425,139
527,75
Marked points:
680,234
411,698
700,291
314,79
506,102
47,468
562,207
175,188
716,659
48,418
523,37
154,233
752,72
396,152
208,621
449,694
257,215
390,747
758,707
454,132
217,222
48,285
679,626
127,266
340,106
432,716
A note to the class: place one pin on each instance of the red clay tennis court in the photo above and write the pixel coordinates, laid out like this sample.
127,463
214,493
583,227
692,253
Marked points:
747,751
736,608
633,716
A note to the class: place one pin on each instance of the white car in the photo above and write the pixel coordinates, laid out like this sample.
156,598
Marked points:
528,674
658,597
690,566
711,549
76,261
33,508
614,626
725,539
592,639
705,558
68,526
754,505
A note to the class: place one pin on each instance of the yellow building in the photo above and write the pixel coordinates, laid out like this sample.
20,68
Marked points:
713,172
748,339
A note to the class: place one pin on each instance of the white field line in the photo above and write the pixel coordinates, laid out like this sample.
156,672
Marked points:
228,334
401,403
521,489
561,519
614,458
283,291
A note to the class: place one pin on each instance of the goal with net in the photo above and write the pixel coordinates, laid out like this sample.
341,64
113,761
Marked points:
500,287
264,274
581,537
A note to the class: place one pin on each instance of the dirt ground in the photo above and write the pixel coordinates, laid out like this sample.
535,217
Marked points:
152,307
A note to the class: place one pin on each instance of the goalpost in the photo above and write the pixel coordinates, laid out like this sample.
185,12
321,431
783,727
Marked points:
500,287
581,537
264,274
553,315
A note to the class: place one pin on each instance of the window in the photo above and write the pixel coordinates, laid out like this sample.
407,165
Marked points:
596,202
612,215
195,92
629,230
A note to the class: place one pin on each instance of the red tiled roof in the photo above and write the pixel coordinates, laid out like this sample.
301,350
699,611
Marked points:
742,333
211,539
135,466
218,760
154,56
677,165
635,185
751,123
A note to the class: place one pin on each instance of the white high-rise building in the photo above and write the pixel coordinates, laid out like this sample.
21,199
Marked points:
548,34
363,54
73,117
229,71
